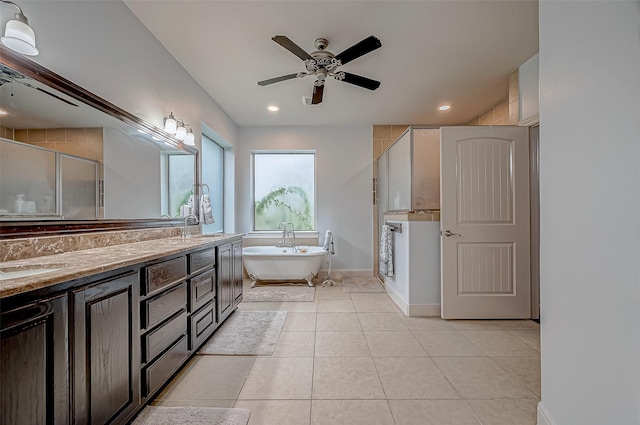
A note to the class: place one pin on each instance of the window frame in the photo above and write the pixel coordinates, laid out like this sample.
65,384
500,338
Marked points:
315,186
218,217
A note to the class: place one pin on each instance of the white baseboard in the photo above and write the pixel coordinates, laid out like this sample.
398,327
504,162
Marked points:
543,416
413,310
397,299
423,310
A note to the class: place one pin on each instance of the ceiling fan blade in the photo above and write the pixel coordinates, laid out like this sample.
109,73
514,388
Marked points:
317,94
291,46
354,52
361,81
57,97
277,79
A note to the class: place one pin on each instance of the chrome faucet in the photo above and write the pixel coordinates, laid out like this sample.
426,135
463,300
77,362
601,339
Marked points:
285,231
185,230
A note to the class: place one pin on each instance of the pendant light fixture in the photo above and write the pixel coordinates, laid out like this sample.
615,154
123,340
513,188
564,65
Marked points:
170,124
18,35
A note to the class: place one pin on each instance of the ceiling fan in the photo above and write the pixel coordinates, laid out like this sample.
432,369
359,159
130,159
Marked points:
323,63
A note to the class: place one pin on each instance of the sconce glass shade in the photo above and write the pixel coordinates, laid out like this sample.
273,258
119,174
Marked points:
181,132
190,139
170,124
19,36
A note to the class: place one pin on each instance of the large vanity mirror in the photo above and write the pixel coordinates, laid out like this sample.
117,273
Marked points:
67,155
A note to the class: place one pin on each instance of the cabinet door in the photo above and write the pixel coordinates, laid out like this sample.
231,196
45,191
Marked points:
34,363
225,281
107,351
237,273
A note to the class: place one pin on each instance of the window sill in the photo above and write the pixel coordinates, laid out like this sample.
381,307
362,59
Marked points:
278,234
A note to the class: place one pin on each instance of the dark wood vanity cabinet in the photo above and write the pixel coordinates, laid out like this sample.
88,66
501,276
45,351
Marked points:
237,273
95,350
229,278
163,325
34,363
203,319
106,371
225,281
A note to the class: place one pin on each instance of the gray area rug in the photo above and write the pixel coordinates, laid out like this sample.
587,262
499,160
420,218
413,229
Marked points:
159,415
247,333
279,293
361,284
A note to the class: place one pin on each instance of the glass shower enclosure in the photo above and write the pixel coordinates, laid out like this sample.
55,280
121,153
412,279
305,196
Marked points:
40,183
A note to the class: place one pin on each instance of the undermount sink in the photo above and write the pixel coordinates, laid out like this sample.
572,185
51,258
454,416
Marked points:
15,272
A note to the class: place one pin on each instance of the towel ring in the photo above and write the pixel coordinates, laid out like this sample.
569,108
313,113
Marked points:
203,185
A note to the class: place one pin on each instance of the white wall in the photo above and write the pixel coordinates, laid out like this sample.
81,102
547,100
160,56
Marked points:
343,183
590,212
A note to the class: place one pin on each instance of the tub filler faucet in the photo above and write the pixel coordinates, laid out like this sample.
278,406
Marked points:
286,231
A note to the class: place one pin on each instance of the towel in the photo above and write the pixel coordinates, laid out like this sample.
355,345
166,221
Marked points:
328,242
206,212
193,205
386,251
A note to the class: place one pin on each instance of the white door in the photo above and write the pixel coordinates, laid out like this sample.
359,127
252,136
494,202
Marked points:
484,196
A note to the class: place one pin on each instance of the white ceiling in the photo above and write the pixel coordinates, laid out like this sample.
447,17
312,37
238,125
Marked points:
433,52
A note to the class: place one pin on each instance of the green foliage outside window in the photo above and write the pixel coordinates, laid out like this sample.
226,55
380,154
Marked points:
284,204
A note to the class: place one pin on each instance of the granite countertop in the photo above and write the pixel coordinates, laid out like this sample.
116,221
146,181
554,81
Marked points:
414,216
78,264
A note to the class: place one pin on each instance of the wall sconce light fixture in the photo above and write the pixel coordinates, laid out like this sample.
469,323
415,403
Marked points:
170,124
190,139
181,131
18,35
178,128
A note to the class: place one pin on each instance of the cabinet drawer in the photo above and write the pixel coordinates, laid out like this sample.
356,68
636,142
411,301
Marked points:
164,305
157,340
202,289
165,274
201,260
201,325
158,373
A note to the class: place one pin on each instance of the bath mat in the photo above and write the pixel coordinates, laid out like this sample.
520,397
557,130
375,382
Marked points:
247,333
279,293
361,284
160,415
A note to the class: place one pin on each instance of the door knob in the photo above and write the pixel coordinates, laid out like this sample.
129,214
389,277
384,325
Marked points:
448,233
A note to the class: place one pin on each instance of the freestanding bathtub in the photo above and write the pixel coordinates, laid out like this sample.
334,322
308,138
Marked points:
273,263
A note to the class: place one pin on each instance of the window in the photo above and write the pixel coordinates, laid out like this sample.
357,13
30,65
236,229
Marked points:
213,177
179,176
284,189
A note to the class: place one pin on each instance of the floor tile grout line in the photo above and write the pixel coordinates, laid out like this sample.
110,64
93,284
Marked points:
475,345
446,377
244,381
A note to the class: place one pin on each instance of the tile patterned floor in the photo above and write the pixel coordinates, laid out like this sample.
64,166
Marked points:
354,358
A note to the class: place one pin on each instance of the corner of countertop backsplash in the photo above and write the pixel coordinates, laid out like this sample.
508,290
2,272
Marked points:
20,249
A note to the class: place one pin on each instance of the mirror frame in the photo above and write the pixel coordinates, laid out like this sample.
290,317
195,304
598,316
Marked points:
35,228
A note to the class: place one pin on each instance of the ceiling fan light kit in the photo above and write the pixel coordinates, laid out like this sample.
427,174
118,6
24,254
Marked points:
323,64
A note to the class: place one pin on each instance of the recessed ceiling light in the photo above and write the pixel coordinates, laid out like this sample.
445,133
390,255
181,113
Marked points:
273,108
444,107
